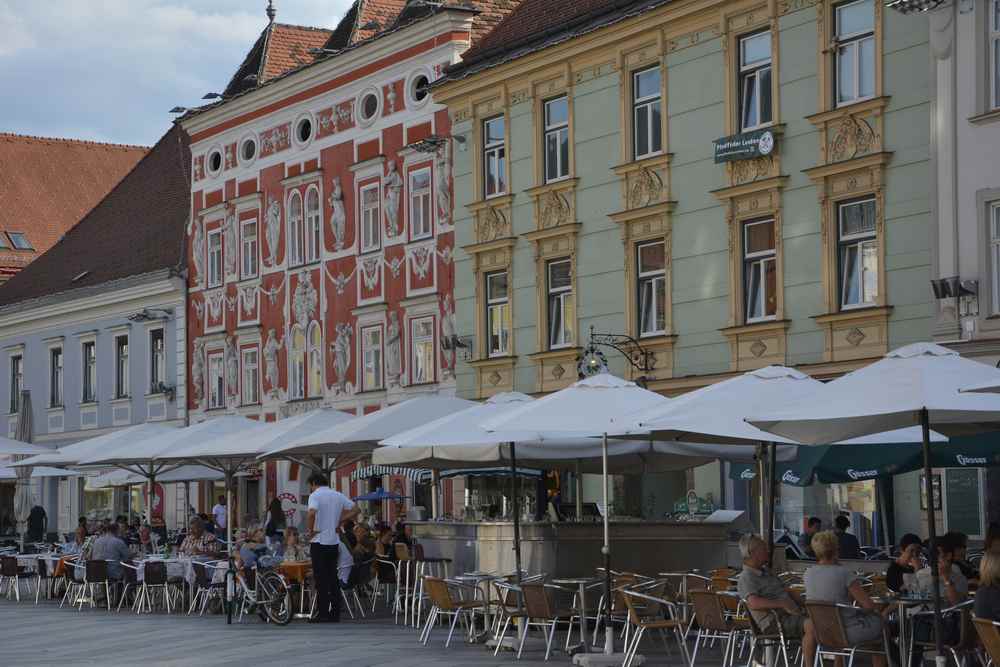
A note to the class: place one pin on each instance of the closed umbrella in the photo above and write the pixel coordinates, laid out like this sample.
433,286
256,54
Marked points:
23,502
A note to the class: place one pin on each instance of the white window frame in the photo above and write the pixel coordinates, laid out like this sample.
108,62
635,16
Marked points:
88,380
297,364
121,366
215,258
296,229
859,240
250,375
558,295
314,360
852,41
993,52
416,342
216,381
993,220
56,375
16,366
370,218
421,209
249,250
757,263
654,277
495,157
497,311
157,360
372,356
313,226
750,73
647,103
557,130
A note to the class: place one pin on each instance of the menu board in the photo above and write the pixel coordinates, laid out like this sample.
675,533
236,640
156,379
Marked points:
963,494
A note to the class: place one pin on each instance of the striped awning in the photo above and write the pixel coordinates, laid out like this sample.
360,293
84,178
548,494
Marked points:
416,474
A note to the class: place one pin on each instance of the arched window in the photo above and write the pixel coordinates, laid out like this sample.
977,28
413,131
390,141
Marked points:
315,360
313,226
296,233
297,364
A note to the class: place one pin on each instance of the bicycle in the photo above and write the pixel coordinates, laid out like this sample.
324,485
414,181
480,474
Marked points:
268,595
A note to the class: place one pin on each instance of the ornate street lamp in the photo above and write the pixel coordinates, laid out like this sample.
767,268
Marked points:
592,360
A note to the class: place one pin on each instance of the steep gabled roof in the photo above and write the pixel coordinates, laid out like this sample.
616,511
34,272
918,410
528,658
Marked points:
279,49
47,185
363,20
137,228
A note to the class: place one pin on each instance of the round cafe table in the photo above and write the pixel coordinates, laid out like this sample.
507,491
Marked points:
581,583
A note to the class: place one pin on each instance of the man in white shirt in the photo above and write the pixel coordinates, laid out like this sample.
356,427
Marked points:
219,512
328,509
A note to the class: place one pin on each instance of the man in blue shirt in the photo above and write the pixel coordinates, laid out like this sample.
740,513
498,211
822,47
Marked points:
109,547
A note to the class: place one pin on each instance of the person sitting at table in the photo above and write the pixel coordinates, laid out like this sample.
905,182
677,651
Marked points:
829,581
198,542
988,593
383,543
81,523
954,587
849,545
251,548
961,542
109,547
76,546
364,545
293,549
764,593
813,526
907,562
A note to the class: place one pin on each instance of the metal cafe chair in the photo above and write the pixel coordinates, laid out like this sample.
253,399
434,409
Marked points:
387,576
539,611
96,577
645,614
130,584
989,635
205,589
11,577
715,623
967,633
760,640
154,586
831,637
444,604
74,583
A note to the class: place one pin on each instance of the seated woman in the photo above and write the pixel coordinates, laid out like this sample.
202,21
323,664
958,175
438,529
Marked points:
384,544
364,545
988,595
829,581
906,563
294,549
252,547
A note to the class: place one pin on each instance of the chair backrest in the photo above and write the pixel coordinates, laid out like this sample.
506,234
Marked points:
129,575
536,601
42,568
200,575
709,611
827,624
97,571
8,566
437,591
386,572
402,551
618,584
418,551
989,635
155,573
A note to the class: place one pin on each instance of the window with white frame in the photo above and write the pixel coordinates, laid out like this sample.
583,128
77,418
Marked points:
371,237
755,80
315,360
314,237
994,54
854,34
494,157
297,364
556,139
420,203
647,127
89,356
651,270
121,366
760,289
215,258
16,381
296,230
55,377
561,313
251,376
371,358
422,350
216,381
994,221
857,253
497,315
248,252
157,361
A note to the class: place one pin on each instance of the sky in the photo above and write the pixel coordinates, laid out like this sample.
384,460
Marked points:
110,70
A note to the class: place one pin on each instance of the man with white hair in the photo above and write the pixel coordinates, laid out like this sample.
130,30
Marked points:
766,598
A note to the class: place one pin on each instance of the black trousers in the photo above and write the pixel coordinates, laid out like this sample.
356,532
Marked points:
324,562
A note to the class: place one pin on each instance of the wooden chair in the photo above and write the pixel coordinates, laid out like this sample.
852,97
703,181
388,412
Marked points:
989,635
644,613
831,637
444,604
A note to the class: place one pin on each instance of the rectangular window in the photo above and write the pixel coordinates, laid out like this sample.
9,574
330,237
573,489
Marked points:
313,231
760,288
251,377
215,258
55,377
560,303
994,222
16,382
994,54
858,253
647,127
651,269
216,382
89,354
20,241
497,315
121,366
370,228
420,203
494,158
422,352
556,139
854,34
248,252
755,80
157,360
371,353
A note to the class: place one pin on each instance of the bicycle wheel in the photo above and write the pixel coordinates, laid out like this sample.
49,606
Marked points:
272,595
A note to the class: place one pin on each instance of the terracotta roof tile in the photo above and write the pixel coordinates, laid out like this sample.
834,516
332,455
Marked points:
49,184
289,47
137,228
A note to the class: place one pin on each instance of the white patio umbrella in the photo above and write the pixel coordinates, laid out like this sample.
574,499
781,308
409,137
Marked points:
915,384
302,426
72,454
10,447
37,472
22,488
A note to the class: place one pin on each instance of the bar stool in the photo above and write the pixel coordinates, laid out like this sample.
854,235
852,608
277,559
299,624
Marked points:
426,567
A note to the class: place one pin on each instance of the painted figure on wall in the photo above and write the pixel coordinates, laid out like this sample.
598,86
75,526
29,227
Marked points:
198,251
198,371
342,355
393,351
338,215
273,231
271,347
443,170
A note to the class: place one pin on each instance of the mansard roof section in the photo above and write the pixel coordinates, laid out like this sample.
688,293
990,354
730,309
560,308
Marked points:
280,48
138,228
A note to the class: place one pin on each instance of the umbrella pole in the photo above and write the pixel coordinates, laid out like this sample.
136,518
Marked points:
609,633
230,573
932,535
517,513
772,492
578,481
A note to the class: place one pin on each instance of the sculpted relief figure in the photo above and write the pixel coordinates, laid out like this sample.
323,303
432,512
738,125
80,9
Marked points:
273,231
393,192
198,371
338,215
232,366
393,351
342,355
449,336
442,171
271,347
198,251
231,248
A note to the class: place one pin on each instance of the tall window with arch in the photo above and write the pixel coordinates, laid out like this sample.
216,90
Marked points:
297,364
313,225
315,360
296,230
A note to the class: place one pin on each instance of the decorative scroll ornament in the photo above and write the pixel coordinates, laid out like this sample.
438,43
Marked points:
421,260
854,137
369,271
272,294
273,230
248,299
341,347
345,113
338,215
646,189
395,264
555,209
304,300
492,225
745,171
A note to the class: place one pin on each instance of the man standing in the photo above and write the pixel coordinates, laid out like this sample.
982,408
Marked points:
328,509
219,512
813,526
849,546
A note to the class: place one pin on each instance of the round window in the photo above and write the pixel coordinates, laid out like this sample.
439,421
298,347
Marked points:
420,85
304,130
369,106
248,150
215,161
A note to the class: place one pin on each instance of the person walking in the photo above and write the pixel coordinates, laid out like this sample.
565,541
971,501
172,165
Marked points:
328,510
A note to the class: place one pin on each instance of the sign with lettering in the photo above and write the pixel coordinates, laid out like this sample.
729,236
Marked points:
744,146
